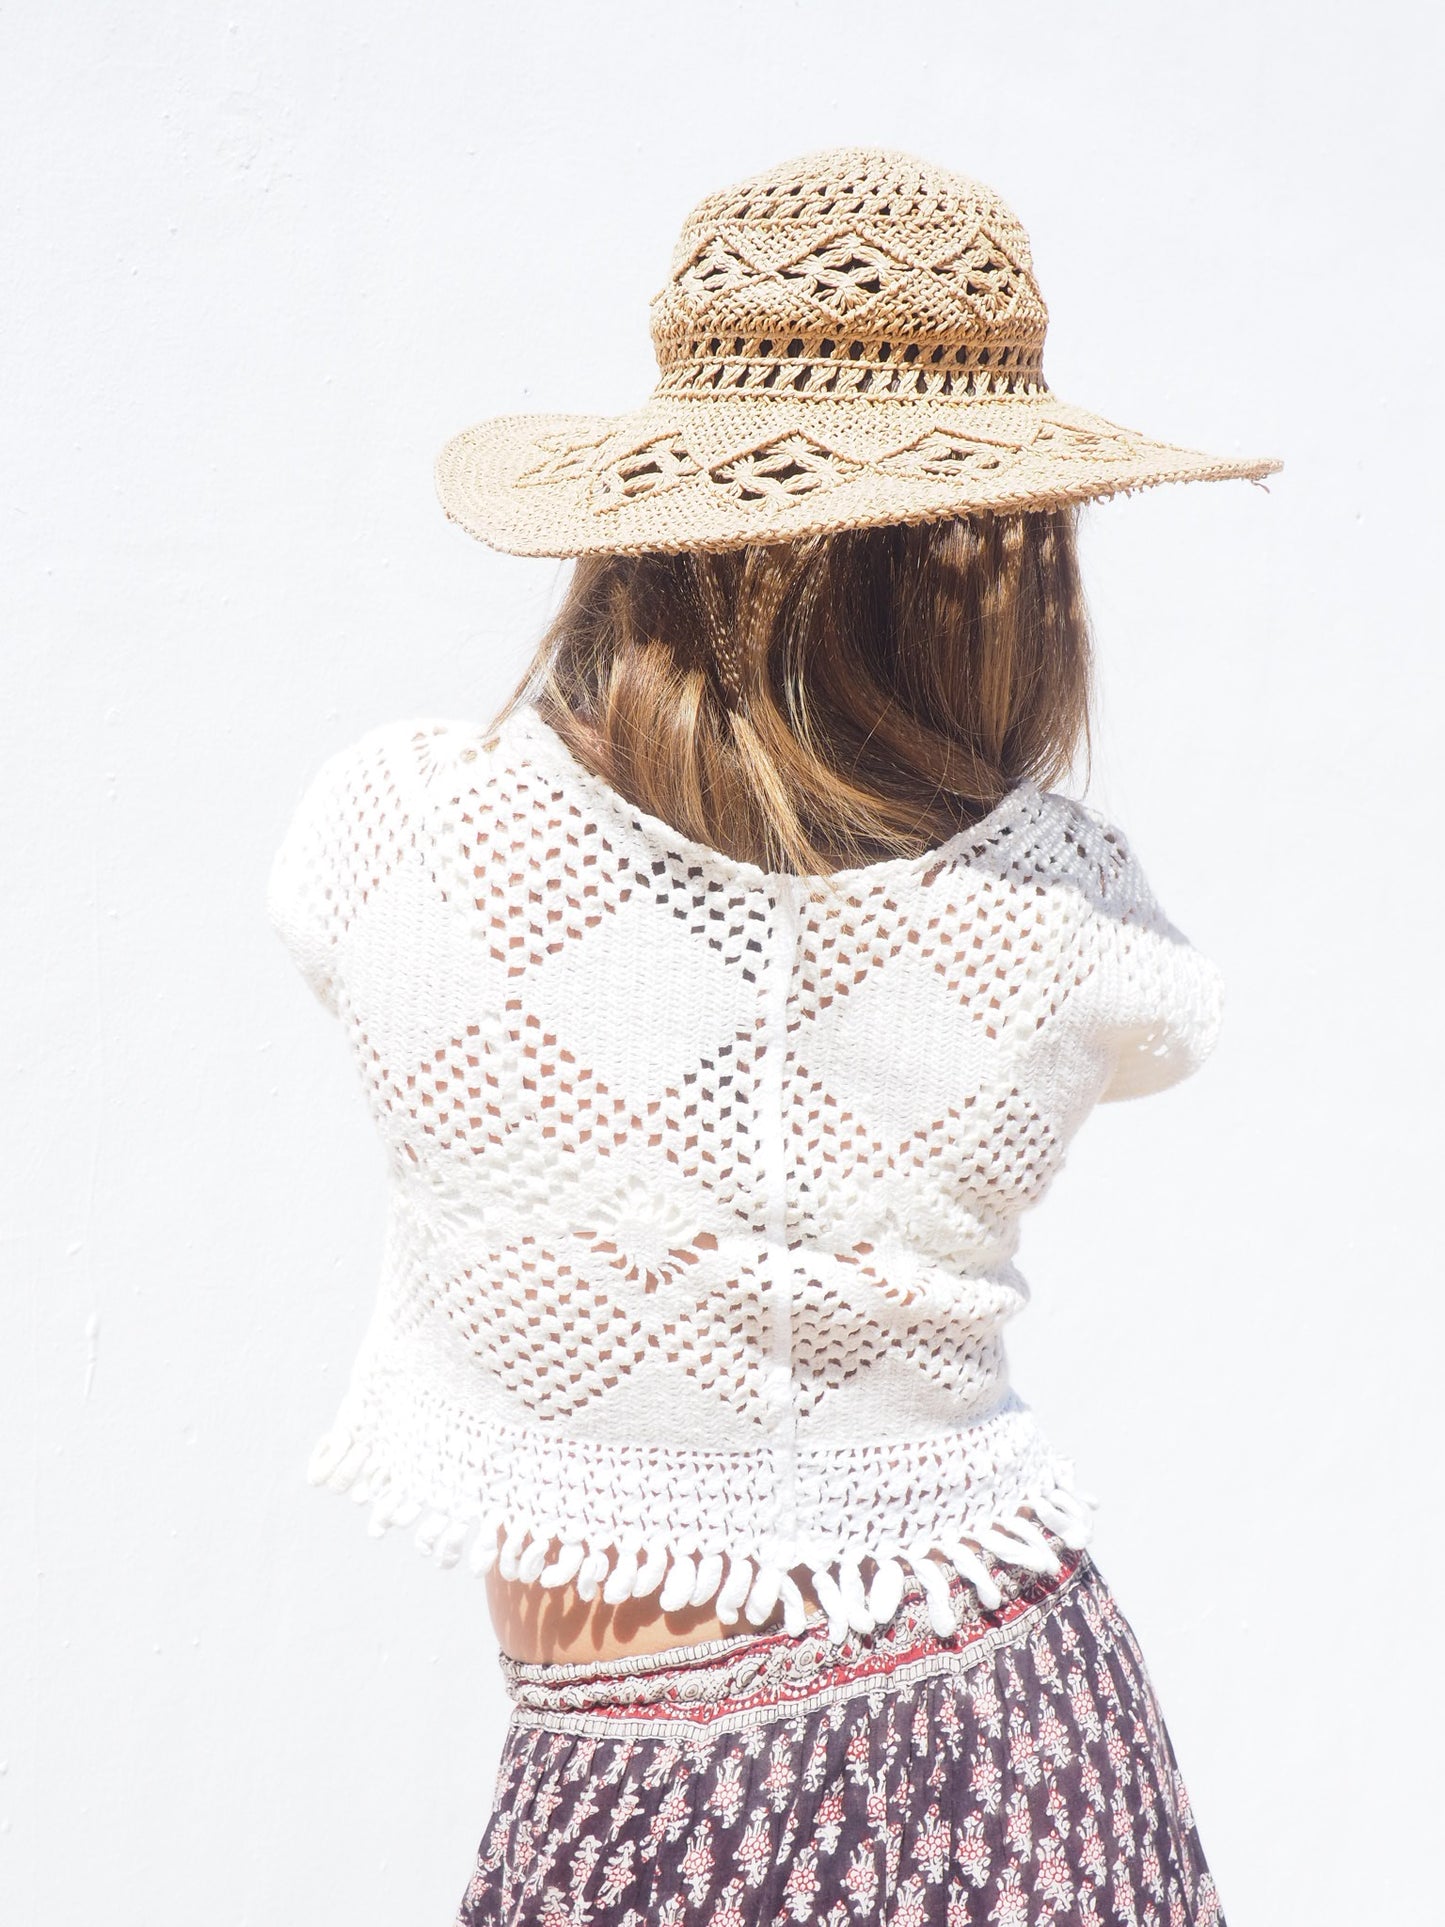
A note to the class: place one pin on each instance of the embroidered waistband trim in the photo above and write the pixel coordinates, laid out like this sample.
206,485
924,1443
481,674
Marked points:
722,1685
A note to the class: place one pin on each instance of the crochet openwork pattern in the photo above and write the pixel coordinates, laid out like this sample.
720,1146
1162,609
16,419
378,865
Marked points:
706,1182
855,337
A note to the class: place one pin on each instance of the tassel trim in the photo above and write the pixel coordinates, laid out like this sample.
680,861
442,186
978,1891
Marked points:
740,1583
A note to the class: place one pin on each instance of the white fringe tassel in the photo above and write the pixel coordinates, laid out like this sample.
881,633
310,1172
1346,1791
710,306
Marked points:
739,1585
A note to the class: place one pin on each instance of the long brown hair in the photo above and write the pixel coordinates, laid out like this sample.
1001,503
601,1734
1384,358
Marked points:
809,706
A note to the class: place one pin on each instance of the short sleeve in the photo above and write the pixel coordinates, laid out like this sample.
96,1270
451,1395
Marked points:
1161,1001
305,887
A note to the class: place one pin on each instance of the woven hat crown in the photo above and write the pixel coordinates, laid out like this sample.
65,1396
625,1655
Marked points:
852,272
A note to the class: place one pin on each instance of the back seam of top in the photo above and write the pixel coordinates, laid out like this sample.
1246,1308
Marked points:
782,957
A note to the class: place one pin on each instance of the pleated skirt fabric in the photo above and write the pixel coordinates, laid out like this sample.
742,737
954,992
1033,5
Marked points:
1014,1772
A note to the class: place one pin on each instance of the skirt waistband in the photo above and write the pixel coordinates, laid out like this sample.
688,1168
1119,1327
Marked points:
754,1675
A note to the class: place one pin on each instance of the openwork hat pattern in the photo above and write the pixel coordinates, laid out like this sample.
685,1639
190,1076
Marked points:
850,339
799,285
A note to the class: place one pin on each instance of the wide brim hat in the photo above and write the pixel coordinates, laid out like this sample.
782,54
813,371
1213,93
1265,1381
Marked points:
851,339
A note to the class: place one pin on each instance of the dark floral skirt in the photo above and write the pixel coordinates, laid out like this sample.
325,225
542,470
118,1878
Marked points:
1015,1772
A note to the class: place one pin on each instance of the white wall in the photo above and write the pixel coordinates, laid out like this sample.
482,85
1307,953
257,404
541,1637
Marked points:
258,262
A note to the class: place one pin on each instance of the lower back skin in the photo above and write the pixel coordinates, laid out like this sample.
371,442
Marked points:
551,1624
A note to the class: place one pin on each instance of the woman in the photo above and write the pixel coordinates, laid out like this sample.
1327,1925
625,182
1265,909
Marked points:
722,1008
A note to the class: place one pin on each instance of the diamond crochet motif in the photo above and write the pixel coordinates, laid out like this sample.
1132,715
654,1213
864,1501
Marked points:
715,269
941,456
843,274
661,463
922,1083
982,278
785,467
583,993
1065,441
564,459
567,1317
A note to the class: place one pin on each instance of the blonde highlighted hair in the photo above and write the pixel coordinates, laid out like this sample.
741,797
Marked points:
816,705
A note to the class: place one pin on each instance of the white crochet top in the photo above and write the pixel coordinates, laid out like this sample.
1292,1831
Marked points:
706,1182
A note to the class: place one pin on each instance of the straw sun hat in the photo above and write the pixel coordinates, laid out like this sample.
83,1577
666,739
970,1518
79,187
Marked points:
852,338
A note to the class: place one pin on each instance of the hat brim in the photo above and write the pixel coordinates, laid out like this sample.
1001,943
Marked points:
686,472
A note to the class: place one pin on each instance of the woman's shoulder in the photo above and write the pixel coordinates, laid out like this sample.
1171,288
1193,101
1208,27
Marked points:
417,747
394,767
376,781
363,815
1092,852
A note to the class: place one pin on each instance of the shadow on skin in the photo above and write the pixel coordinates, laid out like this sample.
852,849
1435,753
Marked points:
549,1624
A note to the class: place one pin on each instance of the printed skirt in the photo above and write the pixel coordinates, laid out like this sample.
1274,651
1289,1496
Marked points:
1014,1772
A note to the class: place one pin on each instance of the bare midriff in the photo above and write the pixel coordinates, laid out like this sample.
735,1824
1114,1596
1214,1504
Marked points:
552,1625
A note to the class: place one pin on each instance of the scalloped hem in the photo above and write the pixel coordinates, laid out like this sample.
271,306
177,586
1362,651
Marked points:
740,1579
